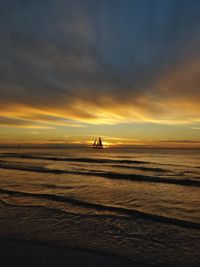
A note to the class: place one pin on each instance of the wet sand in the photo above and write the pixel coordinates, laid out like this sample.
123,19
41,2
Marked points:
23,253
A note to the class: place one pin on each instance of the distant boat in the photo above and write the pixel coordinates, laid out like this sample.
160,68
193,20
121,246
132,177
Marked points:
97,143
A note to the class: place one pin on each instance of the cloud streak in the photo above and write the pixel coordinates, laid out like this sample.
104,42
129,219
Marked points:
74,63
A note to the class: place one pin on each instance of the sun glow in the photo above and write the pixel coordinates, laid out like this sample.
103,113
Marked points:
107,144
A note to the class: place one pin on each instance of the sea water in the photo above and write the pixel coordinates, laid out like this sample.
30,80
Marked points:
141,204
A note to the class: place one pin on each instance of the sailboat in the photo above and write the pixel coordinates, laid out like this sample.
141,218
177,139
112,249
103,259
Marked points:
97,143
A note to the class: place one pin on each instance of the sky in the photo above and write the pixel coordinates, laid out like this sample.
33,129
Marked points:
126,70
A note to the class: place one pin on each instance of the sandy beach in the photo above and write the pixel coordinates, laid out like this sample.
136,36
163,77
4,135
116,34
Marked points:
23,253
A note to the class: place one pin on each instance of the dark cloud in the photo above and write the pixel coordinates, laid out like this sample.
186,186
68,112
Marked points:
92,59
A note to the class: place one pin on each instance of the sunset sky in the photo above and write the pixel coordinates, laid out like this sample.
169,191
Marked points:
126,70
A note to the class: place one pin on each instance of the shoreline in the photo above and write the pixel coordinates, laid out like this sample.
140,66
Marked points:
29,253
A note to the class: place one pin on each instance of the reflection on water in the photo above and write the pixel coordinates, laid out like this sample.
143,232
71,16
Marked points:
130,200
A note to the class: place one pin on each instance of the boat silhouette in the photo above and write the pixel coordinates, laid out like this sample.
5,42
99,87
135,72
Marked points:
98,143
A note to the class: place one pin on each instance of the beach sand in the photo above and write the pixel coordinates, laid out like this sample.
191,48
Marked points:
23,253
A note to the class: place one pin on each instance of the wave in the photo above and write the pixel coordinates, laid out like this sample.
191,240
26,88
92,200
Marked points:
143,178
107,175
141,168
31,168
73,159
66,212
89,160
102,207
96,161
85,159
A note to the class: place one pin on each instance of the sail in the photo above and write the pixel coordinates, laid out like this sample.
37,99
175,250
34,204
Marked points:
95,143
98,143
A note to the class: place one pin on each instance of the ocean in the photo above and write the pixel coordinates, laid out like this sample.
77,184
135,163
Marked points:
139,204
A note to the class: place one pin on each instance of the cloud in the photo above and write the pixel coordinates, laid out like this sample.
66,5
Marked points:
74,63
33,119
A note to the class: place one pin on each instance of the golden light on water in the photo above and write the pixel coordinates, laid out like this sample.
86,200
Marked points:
107,144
